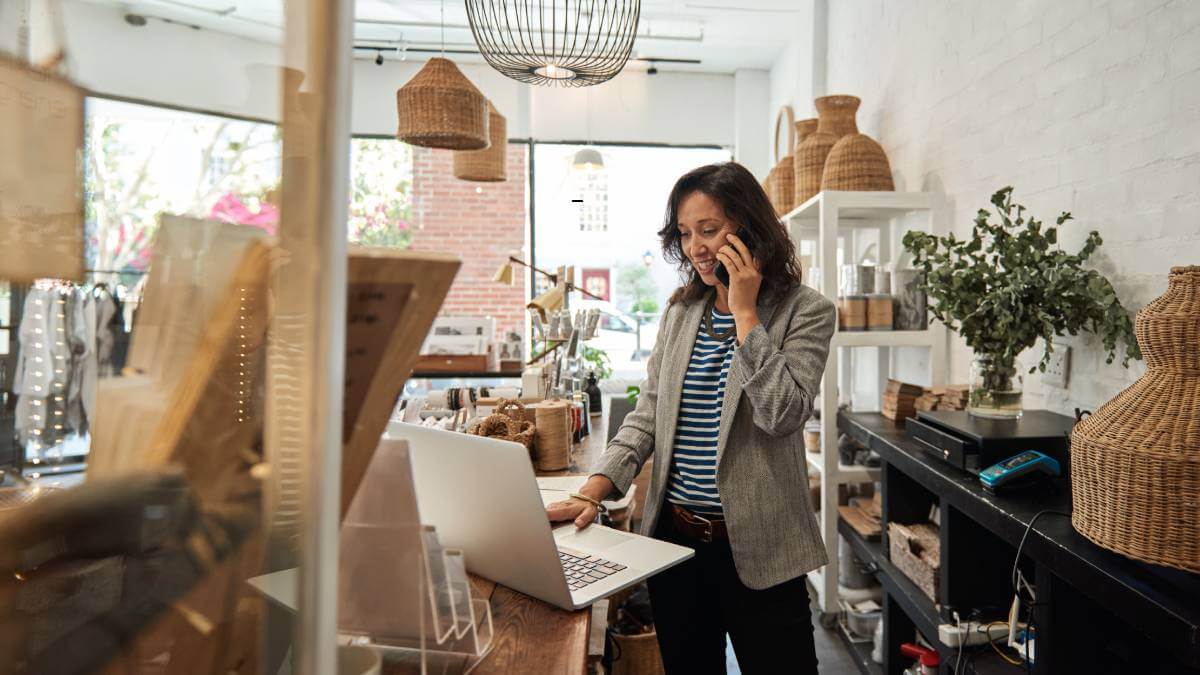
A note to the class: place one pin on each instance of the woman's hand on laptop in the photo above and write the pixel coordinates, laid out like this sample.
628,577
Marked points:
582,512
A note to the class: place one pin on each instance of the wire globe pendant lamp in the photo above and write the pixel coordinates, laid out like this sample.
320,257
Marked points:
561,43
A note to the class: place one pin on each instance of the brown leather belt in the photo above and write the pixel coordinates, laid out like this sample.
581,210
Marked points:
696,527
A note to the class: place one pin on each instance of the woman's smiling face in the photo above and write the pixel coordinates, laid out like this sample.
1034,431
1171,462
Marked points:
703,228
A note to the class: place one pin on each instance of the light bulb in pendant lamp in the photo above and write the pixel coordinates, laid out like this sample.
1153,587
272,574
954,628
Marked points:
588,159
489,165
440,108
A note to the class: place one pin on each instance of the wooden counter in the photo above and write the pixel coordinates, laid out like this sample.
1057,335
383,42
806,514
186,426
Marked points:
531,636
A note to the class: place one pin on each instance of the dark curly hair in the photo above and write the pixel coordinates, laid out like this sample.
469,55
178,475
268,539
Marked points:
746,205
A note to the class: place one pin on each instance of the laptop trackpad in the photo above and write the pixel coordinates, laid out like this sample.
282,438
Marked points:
593,538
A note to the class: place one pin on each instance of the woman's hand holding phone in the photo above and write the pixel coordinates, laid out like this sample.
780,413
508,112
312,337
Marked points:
745,280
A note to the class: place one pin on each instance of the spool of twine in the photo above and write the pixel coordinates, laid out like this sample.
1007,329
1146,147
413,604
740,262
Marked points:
552,444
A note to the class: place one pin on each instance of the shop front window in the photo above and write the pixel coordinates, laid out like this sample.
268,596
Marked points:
603,219
143,160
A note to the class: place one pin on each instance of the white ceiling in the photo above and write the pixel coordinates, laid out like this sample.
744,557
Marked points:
724,35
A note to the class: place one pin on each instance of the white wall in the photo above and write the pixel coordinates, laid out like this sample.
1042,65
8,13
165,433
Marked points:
211,71
1088,107
796,74
752,90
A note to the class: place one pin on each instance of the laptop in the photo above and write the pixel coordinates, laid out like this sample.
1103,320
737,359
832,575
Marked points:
482,497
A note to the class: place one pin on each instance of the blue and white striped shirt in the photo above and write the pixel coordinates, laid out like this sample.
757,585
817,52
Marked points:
693,480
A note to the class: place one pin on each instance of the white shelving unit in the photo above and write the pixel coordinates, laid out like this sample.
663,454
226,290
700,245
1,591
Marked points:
830,219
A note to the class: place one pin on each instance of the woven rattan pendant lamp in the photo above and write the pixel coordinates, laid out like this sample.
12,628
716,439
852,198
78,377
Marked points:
489,165
440,108
576,43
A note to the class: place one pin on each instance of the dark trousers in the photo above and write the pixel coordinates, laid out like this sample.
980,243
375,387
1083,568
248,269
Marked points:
698,601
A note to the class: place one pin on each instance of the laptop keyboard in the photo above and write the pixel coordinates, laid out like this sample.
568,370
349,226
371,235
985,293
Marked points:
583,570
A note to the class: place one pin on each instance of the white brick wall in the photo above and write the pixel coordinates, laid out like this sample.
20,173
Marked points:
1088,107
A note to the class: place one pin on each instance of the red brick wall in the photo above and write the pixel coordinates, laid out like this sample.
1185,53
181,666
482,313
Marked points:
482,223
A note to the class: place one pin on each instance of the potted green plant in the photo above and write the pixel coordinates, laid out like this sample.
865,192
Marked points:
1009,284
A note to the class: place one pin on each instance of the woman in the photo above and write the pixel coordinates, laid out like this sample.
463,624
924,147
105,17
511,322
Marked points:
731,381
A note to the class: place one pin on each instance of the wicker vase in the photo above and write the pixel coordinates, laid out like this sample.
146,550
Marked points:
857,162
489,165
835,119
769,186
784,173
804,129
1135,463
440,108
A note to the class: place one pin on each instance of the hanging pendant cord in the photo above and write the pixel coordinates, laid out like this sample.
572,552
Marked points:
443,29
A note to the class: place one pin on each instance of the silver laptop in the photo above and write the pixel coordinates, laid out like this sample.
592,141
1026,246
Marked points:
482,497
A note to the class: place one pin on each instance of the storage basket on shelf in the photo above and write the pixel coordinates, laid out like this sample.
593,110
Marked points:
1135,463
490,164
440,108
835,119
916,551
785,173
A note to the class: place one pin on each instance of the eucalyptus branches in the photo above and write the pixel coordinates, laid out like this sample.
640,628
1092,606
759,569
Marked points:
1011,283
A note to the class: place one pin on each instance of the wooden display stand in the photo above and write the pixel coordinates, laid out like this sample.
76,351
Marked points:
191,396
393,298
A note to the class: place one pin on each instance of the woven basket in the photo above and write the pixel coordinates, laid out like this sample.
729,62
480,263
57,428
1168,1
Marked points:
489,165
835,119
804,129
785,172
639,655
440,108
1135,463
857,162
508,423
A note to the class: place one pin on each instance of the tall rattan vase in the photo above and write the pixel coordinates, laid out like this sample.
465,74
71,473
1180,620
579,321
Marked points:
440,108
804,129
1135,463
835,119
489,165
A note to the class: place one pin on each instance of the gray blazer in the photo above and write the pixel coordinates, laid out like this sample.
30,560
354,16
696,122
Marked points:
762,475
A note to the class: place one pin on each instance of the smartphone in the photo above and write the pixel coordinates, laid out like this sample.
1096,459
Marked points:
720,271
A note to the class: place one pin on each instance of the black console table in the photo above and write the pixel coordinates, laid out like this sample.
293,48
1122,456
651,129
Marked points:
1096,612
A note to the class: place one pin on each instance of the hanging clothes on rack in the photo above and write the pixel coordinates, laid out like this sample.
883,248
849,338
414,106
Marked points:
63,329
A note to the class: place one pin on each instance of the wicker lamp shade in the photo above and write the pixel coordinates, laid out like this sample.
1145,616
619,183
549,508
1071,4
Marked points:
1135,463
489,165
857,162
804,129
835,118
440,108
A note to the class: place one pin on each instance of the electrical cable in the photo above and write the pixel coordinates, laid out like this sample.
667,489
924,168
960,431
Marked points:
962,643
1021,546
987,631
1017,591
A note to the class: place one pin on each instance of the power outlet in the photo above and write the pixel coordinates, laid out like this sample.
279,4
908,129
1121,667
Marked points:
1058,369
